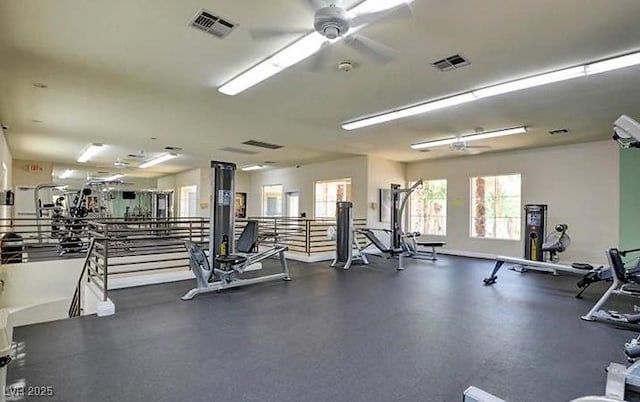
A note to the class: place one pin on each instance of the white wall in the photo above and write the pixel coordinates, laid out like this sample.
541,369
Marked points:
22,176
302,180
243,182
39,291
578,182
381,173
166,183
191,178
204,192
200,177
6,172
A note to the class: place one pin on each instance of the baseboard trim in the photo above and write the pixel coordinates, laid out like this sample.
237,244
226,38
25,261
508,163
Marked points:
310,258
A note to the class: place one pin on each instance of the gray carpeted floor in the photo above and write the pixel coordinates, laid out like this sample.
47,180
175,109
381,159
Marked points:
368,334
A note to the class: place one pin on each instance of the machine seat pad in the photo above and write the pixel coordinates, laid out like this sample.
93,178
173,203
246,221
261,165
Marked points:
581,265
231,259
431,243
632,318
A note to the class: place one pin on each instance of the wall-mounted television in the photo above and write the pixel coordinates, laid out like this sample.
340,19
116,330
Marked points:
128,195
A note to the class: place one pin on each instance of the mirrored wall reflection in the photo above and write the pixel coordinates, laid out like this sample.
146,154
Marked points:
141,205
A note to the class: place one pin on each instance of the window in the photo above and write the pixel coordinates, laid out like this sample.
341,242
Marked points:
188,201
327,193
495,207
428,208
272,200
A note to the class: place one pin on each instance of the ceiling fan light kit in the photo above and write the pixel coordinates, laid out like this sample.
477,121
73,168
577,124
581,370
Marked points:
345,66
331,24
470,137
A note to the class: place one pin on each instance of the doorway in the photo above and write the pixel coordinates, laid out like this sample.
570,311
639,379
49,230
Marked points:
292,204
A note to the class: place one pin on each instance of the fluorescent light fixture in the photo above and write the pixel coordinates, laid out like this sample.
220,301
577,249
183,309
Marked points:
157,160
250,78
67,173
287,57
535,81
615,63
494,134
89,152
410,111
471,137
253,167
298,51
114,177
435,143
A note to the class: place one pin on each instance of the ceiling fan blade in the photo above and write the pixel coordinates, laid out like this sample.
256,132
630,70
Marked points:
376,51
478,146
368,18
268,33
319,61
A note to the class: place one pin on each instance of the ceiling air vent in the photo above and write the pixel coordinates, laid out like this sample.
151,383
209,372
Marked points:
212,24
451,63
238,151
173,149
559,132
261,144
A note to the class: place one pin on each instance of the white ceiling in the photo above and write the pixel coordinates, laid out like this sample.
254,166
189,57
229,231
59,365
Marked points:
122,71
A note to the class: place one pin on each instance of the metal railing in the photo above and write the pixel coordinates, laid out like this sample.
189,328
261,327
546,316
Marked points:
28,240
301,235
75,309
124,247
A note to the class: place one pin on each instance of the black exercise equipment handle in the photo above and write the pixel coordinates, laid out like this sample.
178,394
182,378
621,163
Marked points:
625,252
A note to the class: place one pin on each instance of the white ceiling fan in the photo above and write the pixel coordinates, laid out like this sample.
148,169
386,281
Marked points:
334,22
461,146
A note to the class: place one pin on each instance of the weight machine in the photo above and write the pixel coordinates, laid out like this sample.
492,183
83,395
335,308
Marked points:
621,380
67,209
408,241
540,254
625,281
402,244
348,248
222,269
